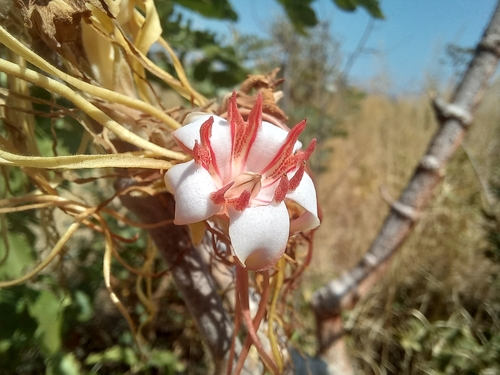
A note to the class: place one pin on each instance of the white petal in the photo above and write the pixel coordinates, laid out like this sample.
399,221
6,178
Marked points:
191,185
305,195
190,132
266,194
304,222
267,143
220,140
259,235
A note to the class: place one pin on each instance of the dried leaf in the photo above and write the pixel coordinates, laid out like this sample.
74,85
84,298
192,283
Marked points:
259,81
57,23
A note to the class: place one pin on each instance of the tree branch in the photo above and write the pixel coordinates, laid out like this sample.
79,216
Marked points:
454,118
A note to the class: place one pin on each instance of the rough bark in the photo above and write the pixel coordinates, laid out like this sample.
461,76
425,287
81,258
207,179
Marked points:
454,119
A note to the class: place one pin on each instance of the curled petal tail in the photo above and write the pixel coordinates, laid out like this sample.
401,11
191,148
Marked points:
305,196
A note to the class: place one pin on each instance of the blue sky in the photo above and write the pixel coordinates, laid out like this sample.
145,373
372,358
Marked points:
409,43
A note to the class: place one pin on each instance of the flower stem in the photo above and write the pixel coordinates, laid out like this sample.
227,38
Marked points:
242,292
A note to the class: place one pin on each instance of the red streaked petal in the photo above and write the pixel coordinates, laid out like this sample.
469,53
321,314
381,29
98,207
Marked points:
236,121
304,156
266,145
252,127
220,142
255,115
242,201
297,177
203,152
254,123
233,114
310,149
282,189
206,131
202,155
218,196
243,133
284,161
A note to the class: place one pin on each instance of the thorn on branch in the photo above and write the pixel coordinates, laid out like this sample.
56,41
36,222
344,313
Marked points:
445,111
405,211
371,260
491,43
430,163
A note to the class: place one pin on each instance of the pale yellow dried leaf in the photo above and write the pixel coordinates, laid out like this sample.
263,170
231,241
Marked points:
82,161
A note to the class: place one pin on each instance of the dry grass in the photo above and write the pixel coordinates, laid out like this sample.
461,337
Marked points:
441,270
385,140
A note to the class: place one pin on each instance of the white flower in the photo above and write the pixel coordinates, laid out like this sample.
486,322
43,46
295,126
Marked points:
244,171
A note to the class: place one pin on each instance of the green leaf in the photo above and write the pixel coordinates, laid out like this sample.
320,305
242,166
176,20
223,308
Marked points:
14,179
347,5
8,320
19,256
372,6
300,13
219,9
70,365
14,315
228,77
47,311
201,70
5,345
115,354
165,359
84,305
64,365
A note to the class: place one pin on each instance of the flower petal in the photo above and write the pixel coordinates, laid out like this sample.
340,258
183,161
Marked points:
304,222
220,140
266,194
269,140
191,185
305,195
259,235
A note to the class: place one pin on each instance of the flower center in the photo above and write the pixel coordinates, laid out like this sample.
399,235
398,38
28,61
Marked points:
239,192
248,181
